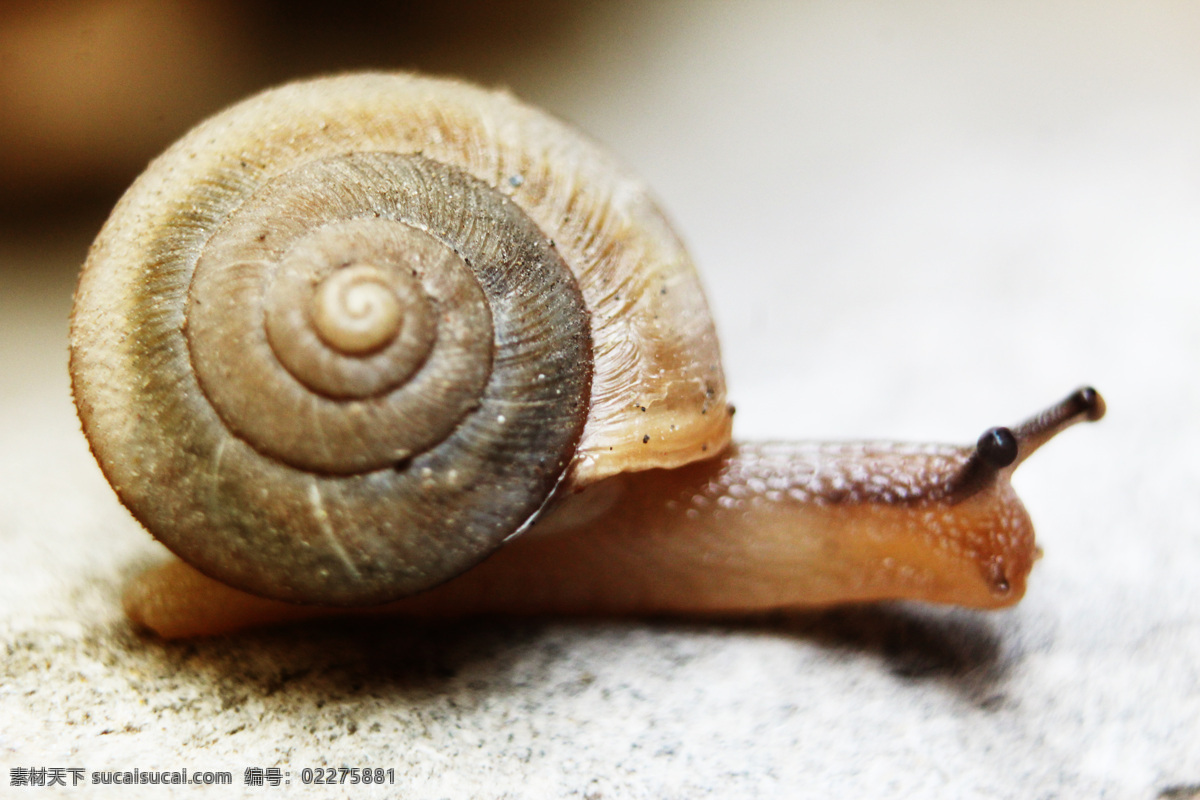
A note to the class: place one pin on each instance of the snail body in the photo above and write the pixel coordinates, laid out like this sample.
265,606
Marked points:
346,339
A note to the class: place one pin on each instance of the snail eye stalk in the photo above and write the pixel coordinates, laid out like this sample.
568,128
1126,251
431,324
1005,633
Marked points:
1003,449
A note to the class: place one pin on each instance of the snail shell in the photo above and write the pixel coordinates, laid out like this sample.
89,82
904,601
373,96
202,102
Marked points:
344,339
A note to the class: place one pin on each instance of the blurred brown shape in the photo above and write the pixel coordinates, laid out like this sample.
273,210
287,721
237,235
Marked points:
89,91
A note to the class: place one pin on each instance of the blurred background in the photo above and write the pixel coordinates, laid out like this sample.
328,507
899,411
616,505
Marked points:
92,90
914,220
854,152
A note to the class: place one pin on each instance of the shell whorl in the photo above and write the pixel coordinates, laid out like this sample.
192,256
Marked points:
380,284
328,350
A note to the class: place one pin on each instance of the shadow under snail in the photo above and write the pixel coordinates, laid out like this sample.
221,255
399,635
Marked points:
386,339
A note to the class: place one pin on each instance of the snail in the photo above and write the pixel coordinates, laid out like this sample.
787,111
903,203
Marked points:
394,342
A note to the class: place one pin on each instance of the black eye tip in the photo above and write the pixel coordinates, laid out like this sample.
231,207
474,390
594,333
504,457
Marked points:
1092,402
998,447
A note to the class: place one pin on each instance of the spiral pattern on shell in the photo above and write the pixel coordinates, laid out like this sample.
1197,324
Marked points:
343,319
344,339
